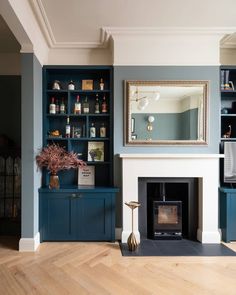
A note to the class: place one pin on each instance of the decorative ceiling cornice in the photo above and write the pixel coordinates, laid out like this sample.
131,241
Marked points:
47,31
154,31
229,41
107,32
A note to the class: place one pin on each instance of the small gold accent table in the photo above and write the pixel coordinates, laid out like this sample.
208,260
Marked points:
131,241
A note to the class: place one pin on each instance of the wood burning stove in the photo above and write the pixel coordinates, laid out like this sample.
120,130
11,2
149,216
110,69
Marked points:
167,219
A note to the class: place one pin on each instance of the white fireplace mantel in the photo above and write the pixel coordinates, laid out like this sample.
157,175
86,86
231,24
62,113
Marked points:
205,167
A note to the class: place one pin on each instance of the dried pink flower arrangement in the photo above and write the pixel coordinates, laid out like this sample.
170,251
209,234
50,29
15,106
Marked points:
56,158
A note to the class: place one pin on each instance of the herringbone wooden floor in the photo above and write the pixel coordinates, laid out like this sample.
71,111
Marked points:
98,268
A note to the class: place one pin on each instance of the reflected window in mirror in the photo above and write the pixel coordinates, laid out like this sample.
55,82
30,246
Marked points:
166,112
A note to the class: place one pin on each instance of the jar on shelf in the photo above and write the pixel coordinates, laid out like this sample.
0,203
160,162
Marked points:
71,85
56,85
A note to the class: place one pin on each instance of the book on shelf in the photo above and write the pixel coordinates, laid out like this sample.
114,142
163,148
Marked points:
86,175
95,151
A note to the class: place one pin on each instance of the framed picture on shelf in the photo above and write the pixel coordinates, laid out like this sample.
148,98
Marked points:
87,84
95,151
86,175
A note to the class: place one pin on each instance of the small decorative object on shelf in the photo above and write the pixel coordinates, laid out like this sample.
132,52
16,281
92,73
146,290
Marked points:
92,130
71,85
55,158
68,127
101,84
228,133
55,133
87,84
104,105
52,106
62,107
86,106
77,108
56,85
102,130
97,106
76,132
131,241
95,151
225,84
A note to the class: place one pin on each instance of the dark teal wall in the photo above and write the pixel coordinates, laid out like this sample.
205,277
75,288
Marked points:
31,140
122,73
10,99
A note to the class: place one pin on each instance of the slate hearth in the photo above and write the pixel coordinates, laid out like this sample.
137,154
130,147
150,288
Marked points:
182,247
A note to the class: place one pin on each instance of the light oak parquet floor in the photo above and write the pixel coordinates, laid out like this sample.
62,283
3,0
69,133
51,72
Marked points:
98,268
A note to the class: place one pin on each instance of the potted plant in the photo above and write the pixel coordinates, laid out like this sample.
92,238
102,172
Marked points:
55,158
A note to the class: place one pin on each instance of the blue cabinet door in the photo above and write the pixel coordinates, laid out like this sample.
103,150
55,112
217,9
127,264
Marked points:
56,217
228,214
231,218
77,216
95,217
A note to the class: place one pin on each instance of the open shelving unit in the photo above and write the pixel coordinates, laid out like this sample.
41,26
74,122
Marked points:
104,169
74,212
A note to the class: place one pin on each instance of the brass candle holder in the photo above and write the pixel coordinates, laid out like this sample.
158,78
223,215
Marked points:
131,241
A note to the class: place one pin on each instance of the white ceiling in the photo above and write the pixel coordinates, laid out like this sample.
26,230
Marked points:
79,23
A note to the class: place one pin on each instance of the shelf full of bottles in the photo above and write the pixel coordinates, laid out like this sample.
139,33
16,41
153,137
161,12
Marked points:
73,116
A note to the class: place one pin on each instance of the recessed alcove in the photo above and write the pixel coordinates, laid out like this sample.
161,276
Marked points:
178,189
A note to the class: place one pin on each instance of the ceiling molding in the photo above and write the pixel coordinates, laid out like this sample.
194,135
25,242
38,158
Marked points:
154,31
47,31
107,32
229,42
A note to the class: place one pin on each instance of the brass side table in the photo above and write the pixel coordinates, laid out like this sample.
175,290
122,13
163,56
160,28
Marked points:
131,241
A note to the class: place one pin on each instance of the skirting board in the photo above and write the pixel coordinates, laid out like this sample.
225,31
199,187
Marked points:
29,244
118,233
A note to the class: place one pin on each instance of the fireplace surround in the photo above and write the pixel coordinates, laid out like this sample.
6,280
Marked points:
204,167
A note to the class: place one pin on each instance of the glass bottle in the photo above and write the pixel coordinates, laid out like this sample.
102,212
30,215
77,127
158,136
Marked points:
71,85
97,106
86,106
77,108
101,84
104,105
102,130
52,106
68,127
62,107
92,130
57,107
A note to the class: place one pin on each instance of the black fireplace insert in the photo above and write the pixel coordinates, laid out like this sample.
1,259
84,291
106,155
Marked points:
167,219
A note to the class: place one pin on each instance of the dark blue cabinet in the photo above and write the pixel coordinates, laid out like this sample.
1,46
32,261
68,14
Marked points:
77,214
228,214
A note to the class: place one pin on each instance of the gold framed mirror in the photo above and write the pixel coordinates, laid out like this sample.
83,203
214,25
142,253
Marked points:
166,112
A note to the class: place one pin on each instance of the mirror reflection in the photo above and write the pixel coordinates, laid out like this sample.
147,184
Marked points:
166,112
